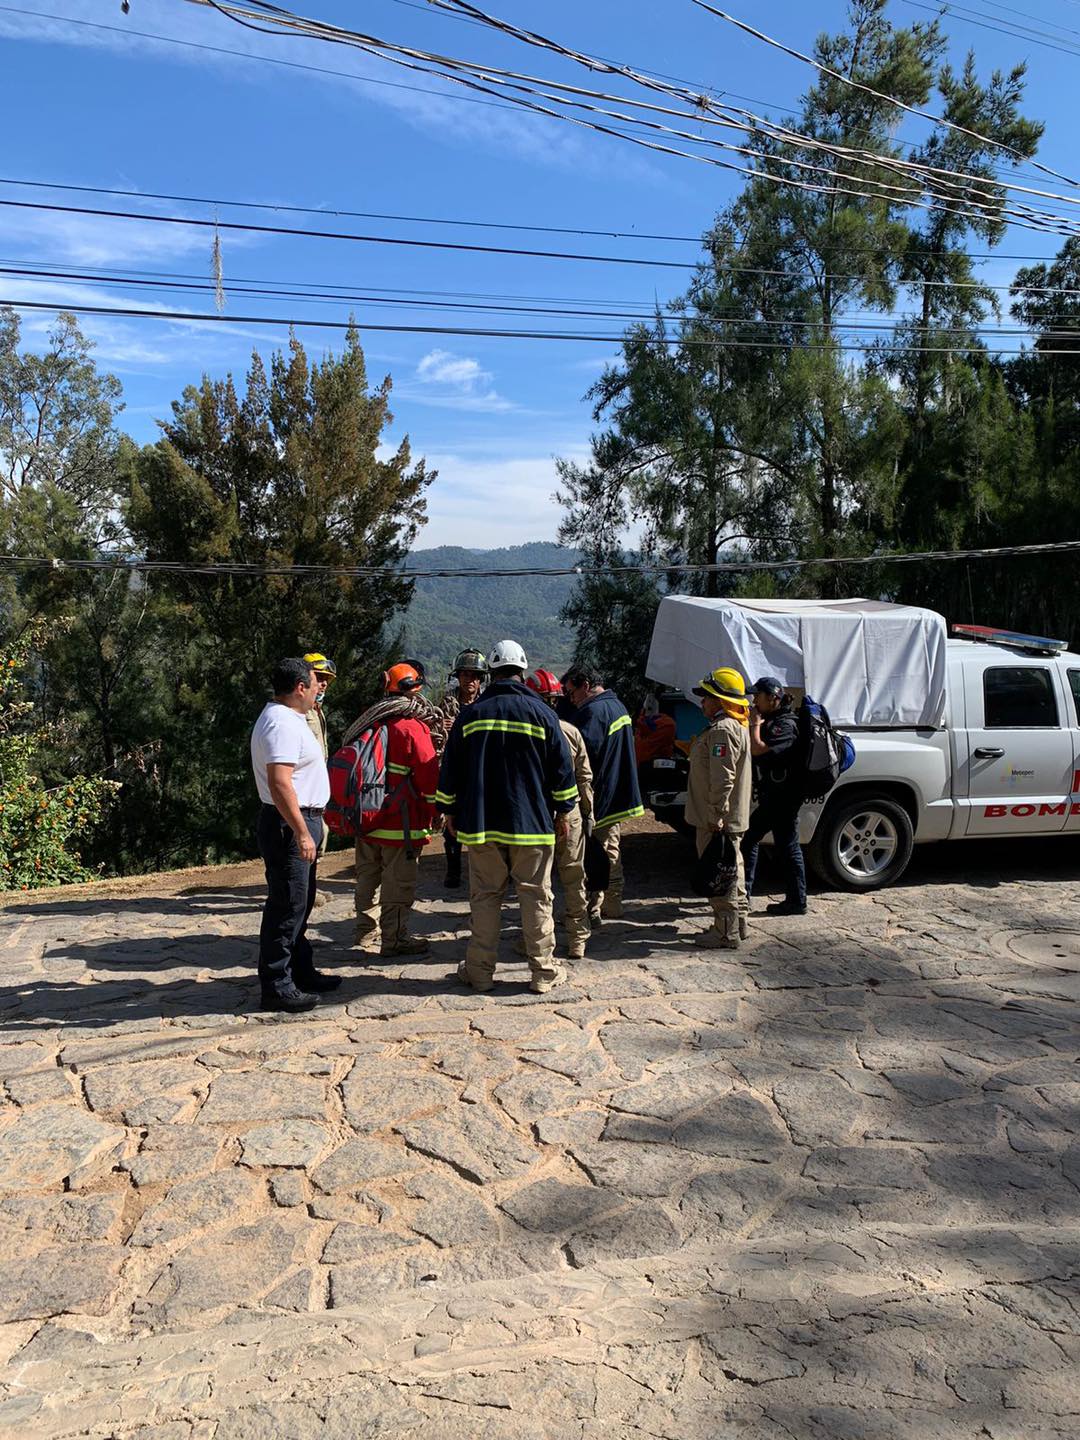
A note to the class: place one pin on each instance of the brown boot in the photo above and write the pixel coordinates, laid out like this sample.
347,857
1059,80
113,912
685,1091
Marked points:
729,932
407,945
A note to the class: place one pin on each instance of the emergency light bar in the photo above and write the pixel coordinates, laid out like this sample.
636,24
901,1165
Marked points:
992,636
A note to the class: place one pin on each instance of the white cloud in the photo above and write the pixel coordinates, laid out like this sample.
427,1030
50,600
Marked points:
432,106
455,382
442,367
495,502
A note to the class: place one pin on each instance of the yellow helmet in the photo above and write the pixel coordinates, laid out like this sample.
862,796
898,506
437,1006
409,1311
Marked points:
321,665
724,684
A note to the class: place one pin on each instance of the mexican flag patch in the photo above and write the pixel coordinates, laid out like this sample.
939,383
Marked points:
719,751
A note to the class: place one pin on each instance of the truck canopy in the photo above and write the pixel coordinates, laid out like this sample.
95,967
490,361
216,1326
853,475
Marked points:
868,662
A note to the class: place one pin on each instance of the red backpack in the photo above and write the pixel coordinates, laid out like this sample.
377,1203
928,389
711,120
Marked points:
358,783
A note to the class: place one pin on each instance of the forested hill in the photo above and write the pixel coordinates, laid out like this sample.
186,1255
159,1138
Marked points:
446,615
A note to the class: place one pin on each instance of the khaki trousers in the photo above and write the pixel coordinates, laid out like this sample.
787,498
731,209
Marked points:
611,898
490,869
736,902
570,863
385,890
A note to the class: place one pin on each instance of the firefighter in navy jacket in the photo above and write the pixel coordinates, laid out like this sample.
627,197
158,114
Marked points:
506,785
609,738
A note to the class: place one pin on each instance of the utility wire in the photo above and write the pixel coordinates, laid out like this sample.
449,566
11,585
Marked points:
251,228
334,212
877,94
372,572
582,310
611,337
302,27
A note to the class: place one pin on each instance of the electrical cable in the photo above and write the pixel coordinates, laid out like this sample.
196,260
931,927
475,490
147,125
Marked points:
250,228
612,337
877,94
1023,215
841,323
365,572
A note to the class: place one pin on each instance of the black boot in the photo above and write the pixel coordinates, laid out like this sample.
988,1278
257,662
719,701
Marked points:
315,982
288,998
453,872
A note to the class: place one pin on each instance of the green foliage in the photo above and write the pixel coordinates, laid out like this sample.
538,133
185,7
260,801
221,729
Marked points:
41,825
157,680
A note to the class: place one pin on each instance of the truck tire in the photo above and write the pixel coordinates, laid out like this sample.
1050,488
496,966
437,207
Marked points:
862,844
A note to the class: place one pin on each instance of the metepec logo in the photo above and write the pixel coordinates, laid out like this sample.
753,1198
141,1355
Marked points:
1068,807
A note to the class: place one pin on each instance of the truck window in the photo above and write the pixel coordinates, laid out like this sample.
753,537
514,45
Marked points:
1074,686
1018,697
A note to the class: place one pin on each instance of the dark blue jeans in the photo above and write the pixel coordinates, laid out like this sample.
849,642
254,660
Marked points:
285,954
781,816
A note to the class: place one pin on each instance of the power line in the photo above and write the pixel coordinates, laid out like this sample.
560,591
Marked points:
186,568
343,235
452,95
579,310
611,337
877,94
328,211
938,182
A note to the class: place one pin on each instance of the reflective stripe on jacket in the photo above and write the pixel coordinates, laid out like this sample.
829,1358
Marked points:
410,753
609,739
506,770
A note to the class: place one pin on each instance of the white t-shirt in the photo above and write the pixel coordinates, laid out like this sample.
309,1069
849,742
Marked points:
283,737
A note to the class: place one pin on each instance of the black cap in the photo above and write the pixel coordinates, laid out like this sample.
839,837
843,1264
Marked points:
768,685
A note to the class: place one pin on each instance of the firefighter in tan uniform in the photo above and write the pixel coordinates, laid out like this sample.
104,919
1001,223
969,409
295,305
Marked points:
570,849
718,794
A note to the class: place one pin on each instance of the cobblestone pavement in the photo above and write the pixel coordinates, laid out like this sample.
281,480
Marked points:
826,1187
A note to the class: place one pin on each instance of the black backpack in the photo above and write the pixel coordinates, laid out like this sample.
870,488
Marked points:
825,753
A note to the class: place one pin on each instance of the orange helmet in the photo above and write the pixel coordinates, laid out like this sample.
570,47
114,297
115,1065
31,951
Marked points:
544,682
402,679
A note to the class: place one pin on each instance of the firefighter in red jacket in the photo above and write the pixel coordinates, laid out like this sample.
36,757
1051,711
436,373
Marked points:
387,854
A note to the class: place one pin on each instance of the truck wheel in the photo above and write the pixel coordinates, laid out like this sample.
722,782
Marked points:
862,844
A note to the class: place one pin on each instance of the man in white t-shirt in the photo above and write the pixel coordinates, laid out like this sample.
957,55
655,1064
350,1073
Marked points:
294,787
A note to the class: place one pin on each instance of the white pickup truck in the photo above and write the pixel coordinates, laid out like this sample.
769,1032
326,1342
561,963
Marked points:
1001,759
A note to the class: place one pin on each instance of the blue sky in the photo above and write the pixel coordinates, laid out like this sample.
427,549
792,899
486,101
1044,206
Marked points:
108,107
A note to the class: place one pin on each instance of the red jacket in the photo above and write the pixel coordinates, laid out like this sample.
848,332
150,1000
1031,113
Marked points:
409,752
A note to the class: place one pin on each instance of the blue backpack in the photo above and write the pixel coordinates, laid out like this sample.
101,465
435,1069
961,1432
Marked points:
826,753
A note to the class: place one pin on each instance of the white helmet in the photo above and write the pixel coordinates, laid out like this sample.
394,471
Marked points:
508,655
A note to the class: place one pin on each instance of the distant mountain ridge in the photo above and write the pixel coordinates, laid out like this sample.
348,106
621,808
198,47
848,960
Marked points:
448,614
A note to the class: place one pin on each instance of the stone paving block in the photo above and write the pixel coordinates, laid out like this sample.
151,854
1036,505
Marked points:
226,1268
737,1125
243,1097
144,1093
449,1213
635,1170
361,1242
471,1141
359,1161
50,1143
554,1208
172,1152
64,1279
287,1143
69,1219
385,1094
192,1205
527,1095
41,1085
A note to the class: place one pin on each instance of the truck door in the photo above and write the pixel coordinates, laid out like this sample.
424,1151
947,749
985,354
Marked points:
1018,769
1072,702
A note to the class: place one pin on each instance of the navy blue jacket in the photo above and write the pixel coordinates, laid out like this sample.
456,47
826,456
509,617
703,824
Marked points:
609,739
506,770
